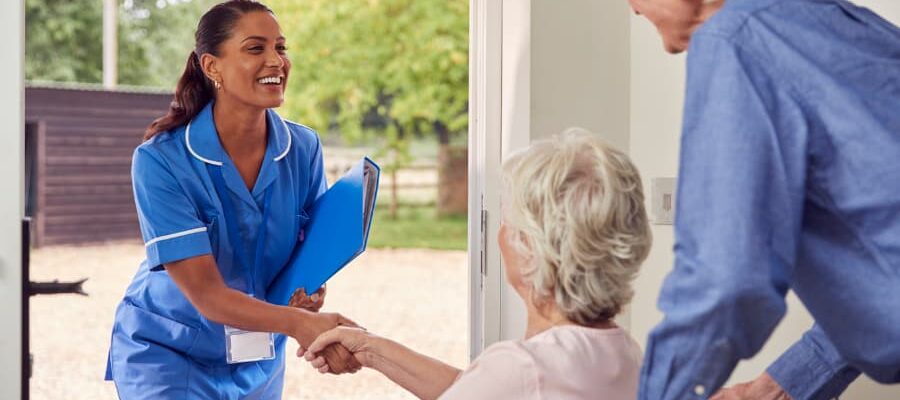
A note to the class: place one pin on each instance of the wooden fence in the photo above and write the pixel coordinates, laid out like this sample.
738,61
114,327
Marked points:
416,184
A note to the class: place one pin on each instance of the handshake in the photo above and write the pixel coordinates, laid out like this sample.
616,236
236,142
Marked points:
337,346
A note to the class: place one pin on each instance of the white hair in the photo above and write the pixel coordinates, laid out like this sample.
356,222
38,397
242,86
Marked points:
574,208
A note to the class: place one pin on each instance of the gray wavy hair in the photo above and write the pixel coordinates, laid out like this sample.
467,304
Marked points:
574,207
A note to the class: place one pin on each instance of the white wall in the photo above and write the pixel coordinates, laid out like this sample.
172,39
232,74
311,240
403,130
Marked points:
577,74
12,22
516,86
657,86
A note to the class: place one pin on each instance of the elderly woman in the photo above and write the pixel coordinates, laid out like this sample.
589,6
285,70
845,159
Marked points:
573,235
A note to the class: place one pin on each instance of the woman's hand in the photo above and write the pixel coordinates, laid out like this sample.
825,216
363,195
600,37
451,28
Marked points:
337,357
424,376
354,339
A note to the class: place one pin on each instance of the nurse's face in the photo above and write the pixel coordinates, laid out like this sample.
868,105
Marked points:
252,65
676,20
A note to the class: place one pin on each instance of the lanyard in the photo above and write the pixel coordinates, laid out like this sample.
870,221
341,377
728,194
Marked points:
234,235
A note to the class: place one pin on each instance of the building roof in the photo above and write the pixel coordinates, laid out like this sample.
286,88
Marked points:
96,87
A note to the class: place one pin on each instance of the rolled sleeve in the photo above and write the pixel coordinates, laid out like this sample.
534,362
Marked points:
739,207
170,225
812,369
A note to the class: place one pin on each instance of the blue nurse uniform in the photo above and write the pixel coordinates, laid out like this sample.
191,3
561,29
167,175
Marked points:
162,347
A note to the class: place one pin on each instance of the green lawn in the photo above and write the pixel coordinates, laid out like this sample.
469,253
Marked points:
417,227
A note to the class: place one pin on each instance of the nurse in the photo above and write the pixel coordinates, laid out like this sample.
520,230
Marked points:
222,186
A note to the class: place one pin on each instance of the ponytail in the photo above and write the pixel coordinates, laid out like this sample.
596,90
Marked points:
191,95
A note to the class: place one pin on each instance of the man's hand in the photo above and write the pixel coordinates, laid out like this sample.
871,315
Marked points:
761,388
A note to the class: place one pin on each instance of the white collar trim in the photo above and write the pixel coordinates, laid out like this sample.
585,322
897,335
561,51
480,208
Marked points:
187,140
288,147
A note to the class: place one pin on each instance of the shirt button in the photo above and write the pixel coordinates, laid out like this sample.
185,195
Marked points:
699,390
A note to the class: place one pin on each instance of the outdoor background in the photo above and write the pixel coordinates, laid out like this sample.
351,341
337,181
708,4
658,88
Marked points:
384,78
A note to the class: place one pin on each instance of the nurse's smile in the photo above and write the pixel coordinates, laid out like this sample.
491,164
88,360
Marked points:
273,83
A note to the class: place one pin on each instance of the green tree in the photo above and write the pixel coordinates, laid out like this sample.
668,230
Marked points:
379,68
155,38
64,40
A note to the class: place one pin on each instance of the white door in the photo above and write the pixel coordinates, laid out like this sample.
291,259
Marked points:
12,25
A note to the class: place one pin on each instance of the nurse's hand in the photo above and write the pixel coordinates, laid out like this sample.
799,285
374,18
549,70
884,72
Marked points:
317,299
339,359
356,340
311,303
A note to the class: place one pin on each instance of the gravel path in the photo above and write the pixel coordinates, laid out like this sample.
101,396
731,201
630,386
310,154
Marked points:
417,297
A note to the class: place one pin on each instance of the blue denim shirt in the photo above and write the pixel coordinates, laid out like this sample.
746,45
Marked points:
789,180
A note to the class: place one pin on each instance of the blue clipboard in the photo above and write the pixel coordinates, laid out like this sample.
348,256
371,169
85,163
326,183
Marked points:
336,233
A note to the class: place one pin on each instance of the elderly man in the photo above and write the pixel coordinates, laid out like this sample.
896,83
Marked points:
790,179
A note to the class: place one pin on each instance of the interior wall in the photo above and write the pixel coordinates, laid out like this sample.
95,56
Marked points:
577,74
657,87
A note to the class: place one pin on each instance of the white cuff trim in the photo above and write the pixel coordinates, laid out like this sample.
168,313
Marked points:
175,235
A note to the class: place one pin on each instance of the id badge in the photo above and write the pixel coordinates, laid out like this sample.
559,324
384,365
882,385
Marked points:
243,346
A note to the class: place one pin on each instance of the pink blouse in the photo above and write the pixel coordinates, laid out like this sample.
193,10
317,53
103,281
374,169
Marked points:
563,362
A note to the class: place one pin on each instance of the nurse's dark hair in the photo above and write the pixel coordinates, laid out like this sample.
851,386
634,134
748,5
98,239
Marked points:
194,89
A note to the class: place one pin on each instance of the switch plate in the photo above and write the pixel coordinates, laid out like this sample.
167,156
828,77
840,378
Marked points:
662,191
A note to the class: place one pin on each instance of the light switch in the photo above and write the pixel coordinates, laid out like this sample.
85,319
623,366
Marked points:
662,191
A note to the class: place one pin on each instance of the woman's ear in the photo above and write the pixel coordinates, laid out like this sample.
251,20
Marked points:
209,64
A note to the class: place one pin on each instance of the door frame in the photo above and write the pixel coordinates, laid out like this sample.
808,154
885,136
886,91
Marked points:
499,123
12,116
485,32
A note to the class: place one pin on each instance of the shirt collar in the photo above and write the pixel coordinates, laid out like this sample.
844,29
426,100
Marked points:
203,143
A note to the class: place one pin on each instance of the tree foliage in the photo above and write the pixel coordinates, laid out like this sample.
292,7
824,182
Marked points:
155,38
395,67
64,40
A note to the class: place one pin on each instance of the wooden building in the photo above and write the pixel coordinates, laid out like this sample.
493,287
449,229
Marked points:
78,144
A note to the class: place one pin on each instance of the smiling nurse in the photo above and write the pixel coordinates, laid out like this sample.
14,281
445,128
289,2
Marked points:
222,185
